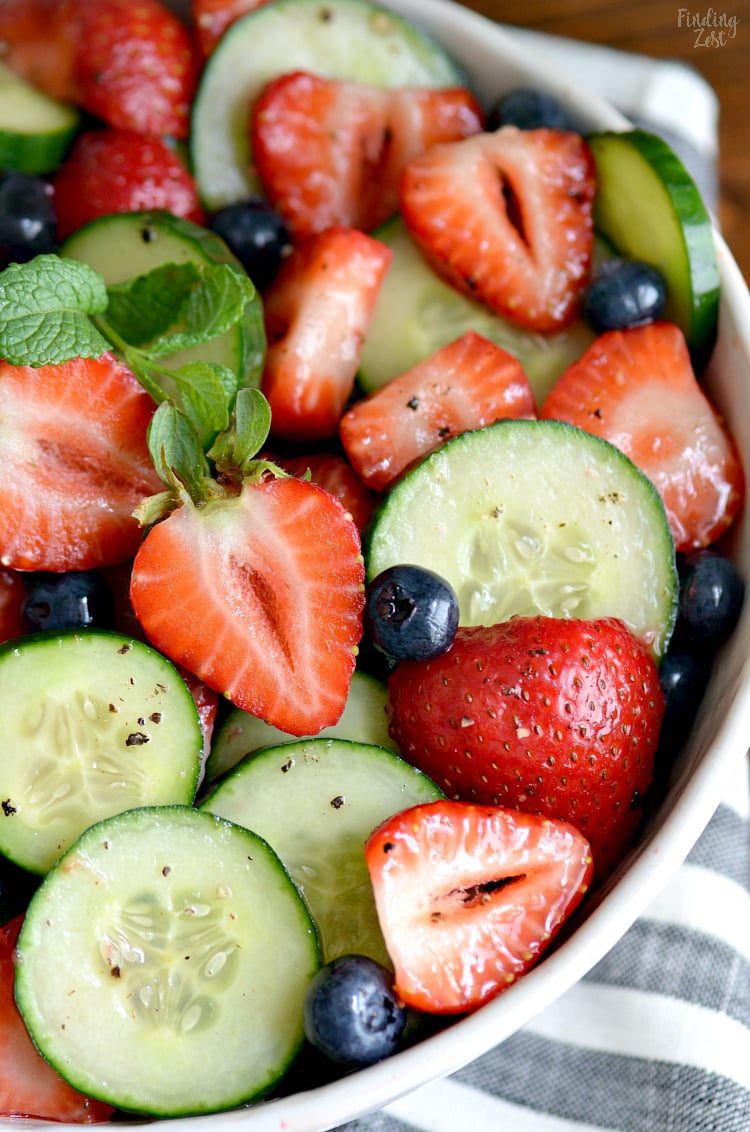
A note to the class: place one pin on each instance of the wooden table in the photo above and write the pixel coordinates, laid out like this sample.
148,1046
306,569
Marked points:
665,29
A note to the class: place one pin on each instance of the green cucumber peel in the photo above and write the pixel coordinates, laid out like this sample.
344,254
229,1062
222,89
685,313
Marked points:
53,309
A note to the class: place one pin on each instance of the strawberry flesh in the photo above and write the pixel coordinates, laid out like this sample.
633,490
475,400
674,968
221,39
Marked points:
74,464
469,897
637,389
331,152
507,217
466,384
260,595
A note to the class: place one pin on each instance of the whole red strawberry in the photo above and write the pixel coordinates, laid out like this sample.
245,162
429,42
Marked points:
112,170
544,715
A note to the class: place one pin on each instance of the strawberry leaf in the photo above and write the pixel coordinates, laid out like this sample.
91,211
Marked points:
176,452
234,452
46,312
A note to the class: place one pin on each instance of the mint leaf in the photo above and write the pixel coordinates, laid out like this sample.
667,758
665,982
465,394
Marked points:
146,307
45,305
205,393
177,306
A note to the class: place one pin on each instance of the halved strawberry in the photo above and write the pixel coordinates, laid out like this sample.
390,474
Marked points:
29,1086
335,474
469,897
507,218
637,389
12,598
317,312
134,65
211,18
259,594
329,151
109,170
466,384
544,715
74,463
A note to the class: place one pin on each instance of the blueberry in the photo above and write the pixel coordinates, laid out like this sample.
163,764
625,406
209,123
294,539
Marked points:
411,613
529,109
624,293
257,235
28,223
73,600
352,1014
712,592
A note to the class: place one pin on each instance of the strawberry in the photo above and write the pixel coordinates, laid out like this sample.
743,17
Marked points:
637,389
211,18
40,41
328,151
29,1086
12,598
132,64
466,384
317,312
544,715
137,67
335,474
110,170
469,897
74,463
507,218
260,595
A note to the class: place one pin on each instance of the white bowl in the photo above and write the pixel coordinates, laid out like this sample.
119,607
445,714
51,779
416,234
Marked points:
497,62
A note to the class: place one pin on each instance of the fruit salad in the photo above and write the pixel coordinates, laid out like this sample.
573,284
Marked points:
363,549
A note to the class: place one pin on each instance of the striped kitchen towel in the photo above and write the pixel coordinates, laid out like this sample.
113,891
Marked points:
656,1038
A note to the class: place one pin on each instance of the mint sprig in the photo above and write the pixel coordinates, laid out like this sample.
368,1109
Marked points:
53,309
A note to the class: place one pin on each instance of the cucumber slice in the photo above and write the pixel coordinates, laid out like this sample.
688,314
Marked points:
125,245
535,517
316,802
417,312
648,206
163,964
93,723
344,39
35,130
363,719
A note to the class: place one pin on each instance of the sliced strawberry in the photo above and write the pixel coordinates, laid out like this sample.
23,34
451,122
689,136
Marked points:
12,598
40,41
469,897
29,1086
547,716
330,152
317,312
637,389
211,19
335,474
466,384
261,596
73,464
137,66
111,170
507,218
